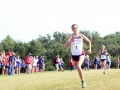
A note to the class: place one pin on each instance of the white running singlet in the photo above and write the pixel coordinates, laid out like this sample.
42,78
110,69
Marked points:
103,57
77,46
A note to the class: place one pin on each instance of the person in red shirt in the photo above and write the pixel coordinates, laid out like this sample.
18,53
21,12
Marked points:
3,61
28,62
7,64
118,62
71,64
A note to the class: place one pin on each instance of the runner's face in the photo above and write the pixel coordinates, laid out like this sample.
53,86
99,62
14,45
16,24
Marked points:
103,47
75,28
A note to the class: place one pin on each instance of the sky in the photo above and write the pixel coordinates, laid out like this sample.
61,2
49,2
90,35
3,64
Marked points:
25,20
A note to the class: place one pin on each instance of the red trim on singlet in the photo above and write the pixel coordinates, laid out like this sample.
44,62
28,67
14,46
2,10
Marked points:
83,52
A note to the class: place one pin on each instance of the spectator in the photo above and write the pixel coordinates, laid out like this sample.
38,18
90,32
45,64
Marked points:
3,62
72,66
28,62
11,64
86,63
57,61
34,66
41,63
96,62
62,63
118,62
0,62
18,64
23,67
108,61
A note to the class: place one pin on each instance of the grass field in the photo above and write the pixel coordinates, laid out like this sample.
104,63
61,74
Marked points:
66,80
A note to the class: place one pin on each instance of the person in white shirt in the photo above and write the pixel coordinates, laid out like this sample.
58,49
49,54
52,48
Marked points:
34,65
76,42
103,57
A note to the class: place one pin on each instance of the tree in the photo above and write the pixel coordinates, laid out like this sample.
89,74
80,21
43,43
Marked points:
8,43
56,46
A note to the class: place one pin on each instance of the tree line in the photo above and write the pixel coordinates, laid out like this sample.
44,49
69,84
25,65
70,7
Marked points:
51,47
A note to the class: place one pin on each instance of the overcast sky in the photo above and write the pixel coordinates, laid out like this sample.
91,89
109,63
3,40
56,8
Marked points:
25,20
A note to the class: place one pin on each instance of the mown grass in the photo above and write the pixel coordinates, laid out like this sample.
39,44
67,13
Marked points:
66,80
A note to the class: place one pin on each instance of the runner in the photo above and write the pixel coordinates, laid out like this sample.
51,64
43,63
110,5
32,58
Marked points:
76,42
103,57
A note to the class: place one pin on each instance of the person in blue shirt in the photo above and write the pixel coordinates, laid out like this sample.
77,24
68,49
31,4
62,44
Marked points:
41,63
23,67
11,64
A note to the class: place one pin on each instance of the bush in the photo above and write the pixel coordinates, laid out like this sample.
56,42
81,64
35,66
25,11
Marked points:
50,68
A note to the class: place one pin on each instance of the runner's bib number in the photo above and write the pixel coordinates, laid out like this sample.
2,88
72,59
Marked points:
103,56
76,47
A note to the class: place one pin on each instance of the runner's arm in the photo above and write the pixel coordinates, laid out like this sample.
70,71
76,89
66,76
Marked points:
87,40
68,42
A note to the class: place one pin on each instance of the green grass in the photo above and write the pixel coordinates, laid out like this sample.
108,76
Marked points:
95,80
